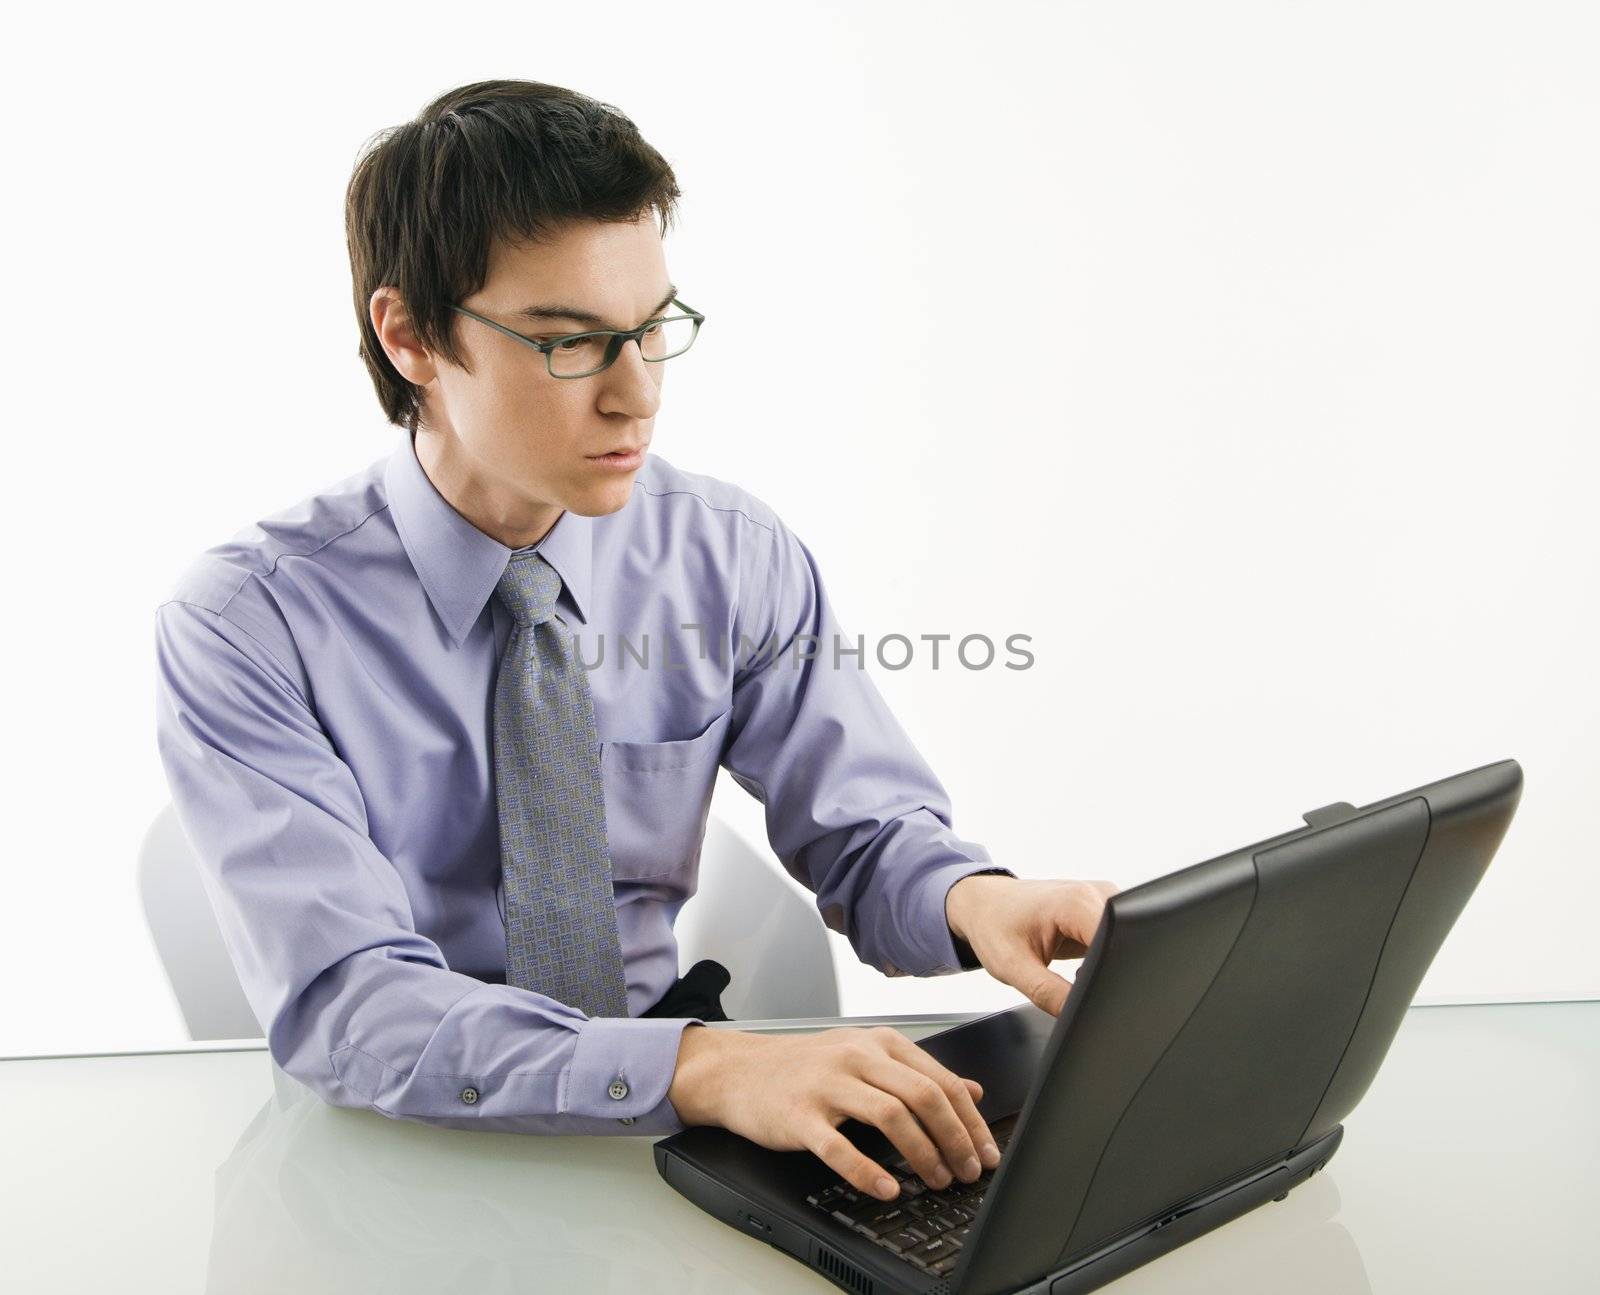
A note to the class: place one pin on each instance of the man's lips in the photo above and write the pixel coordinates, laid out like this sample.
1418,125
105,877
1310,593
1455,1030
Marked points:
621,449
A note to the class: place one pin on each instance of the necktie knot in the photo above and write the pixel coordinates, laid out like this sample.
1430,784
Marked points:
529,588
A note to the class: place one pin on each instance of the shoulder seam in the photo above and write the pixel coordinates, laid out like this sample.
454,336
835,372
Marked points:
245,578
313,552
292,693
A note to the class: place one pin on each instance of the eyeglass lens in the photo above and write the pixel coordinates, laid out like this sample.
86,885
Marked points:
582,355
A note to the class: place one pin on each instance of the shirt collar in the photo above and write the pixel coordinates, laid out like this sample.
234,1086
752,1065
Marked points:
460,565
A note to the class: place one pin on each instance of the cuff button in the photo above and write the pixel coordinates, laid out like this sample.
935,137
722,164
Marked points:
626,1119
469,1095
618,1090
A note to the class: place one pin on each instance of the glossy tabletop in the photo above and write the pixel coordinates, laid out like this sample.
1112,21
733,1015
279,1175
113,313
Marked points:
1473,1164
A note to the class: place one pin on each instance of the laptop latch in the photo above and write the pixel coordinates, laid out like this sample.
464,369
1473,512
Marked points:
1338,812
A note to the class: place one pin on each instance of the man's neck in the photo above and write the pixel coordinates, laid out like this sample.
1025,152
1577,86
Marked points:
475,501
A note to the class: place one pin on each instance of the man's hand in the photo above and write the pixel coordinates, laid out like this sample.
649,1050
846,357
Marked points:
1018,928
790,1093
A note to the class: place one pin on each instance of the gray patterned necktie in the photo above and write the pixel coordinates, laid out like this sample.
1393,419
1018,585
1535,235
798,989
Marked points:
561,917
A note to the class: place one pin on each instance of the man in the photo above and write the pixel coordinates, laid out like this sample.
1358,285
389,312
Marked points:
446,810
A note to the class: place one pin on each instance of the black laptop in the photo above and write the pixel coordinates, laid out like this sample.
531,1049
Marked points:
1226,1018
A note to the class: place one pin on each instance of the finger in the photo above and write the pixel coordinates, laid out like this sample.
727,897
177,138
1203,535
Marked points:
846,1159
1049,991
962,1100
1041,986
885,1110
925,1097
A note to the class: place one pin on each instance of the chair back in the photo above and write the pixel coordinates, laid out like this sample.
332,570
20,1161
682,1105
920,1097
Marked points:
187,937
748,915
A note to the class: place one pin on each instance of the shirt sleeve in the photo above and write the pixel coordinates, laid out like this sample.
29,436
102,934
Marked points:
354,1002
853,811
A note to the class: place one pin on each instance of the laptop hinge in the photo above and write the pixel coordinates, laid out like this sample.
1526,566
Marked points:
1339,812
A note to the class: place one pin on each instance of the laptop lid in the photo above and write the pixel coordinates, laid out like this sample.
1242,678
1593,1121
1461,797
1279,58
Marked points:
1229,1014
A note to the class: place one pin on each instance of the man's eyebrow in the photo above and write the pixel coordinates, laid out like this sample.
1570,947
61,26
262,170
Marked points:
588,317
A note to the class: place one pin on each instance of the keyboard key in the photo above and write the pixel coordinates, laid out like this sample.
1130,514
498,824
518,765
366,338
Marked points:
889,1220
943,1266
950,1217
911,1185
861,1209
827,1197
902,1170
931,1251
907,1238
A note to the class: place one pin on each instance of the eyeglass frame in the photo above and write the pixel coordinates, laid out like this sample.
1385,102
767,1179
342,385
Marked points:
619,338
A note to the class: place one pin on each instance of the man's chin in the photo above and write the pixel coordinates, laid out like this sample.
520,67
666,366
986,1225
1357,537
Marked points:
596,498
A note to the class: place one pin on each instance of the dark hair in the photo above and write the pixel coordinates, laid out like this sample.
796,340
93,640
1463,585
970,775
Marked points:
494,160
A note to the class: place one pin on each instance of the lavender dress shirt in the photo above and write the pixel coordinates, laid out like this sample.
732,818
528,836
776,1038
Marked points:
324,717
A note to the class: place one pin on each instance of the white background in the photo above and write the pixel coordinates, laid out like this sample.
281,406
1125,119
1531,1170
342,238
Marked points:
1240,354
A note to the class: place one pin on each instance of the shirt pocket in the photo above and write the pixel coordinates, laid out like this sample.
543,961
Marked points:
658,797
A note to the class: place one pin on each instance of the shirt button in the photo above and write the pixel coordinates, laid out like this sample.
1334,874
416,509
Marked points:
469,1095
618,1090
626,1119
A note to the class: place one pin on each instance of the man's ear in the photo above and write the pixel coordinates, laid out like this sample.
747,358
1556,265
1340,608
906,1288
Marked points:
392,322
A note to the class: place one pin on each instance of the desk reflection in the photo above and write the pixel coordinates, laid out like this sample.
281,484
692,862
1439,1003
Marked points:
1295,1244
318,1198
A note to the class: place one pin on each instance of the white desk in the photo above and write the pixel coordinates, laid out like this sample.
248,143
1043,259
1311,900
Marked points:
1473,1164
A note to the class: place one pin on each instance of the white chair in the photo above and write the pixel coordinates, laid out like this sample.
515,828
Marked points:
745,913
764,928
184,927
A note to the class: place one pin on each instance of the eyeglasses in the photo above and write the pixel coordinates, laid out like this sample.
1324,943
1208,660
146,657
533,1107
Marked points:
580,355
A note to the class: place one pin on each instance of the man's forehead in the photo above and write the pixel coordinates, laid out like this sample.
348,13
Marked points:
562,311
581,276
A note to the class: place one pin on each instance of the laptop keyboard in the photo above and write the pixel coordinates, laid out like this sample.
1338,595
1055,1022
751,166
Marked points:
921,1225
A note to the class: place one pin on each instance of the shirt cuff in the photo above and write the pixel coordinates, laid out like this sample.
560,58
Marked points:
953,953
622,1067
